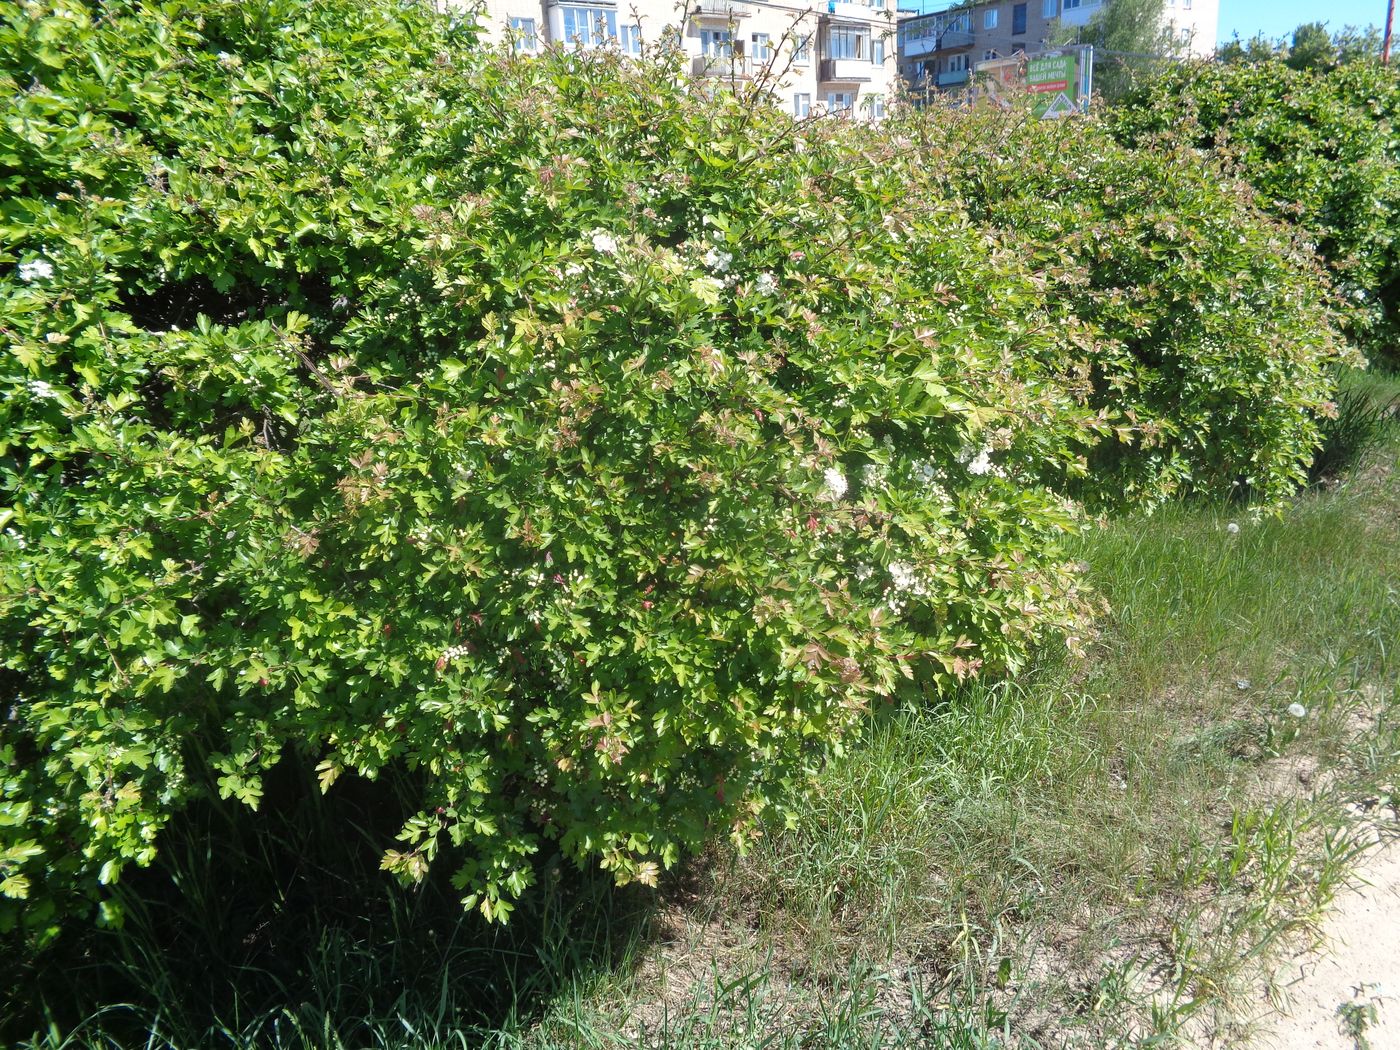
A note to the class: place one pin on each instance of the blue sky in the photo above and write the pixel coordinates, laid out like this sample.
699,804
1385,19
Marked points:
1275,18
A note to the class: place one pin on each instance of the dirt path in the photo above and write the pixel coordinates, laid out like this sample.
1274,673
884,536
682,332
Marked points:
1355,976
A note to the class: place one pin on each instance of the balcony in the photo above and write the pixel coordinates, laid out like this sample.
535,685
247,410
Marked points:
845,70
726,10
953,79
845,11
734,67
948,39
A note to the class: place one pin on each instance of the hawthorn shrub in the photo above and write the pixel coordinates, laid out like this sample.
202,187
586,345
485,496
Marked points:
1320,147
575,452
1198,328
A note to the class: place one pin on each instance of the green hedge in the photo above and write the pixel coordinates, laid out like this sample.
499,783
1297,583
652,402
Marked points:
1197,328
1321,148
577,453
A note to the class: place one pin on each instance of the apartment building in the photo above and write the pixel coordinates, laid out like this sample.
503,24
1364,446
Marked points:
940,49
834,56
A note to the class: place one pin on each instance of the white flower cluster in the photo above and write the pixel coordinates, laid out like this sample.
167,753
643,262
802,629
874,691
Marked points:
604,242
37,269
765,283
719,261
454,652
41,390
924,473
874,475
905,578
981,463
906,583
833,484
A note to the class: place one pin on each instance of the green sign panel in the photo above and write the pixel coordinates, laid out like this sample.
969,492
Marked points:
1054,81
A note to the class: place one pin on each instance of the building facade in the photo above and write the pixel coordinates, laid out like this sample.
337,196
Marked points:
939,50
837,56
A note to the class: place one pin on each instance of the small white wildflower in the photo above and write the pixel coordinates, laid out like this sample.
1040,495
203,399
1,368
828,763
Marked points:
39,389
604,242
766,284
835,483
573,269
37,269
902,575
905,578
718,261
981,464
1233,529
1297,710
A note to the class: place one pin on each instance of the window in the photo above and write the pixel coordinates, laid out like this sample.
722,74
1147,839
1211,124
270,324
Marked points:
802,48
760,51
1186,5
841,101
632,39
717,43
989,54
1050,8
877,53
843,42
1071,4
1018,19
989,18
589,26
801,104
876,105
522,32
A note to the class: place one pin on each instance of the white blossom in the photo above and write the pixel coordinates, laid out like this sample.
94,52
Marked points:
718,261
38,388
1233,529
835,483
981,463
905,578
35,270
766,284
604,242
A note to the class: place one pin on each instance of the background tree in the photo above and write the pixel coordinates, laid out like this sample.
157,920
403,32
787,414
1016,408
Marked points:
1129,39
1312,48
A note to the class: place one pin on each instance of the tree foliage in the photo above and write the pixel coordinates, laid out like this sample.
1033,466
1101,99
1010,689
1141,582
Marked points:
1200,326
1131,41
1318,145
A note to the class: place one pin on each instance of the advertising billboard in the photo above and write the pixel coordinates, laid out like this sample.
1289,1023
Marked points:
1059,82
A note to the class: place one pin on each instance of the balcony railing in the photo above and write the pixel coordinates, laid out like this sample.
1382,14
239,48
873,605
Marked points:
845,70
952,79
728,9
735,66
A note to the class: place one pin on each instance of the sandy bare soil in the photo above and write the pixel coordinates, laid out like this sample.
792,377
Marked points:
1353,981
